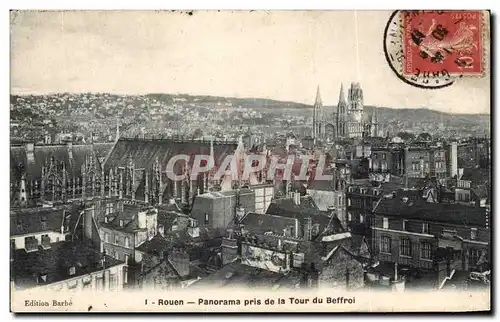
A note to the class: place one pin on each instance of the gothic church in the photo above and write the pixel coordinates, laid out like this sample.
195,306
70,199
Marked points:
346,120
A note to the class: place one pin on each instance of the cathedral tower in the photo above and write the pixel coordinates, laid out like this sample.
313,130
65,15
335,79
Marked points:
317,116
342,108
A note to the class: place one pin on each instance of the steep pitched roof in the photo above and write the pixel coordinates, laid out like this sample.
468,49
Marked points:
73,158
144,153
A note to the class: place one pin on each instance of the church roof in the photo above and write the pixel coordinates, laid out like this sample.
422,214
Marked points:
144,153
60,152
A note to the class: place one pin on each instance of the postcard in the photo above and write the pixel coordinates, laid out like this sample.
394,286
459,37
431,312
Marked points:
250,161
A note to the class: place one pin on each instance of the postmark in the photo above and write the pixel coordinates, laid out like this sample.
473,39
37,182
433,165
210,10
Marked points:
432,49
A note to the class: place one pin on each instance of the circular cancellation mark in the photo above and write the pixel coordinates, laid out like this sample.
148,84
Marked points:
431,49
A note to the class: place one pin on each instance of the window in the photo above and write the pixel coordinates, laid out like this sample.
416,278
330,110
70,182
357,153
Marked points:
348,202
384,156
405,247
385,244
127,241
106,237
125,275
340,201
72,270
473,233
117,240
361,218
425,228
113,281
385,223
349,216
425,251
375,155
206,218
126,258
99,283
405,222
474,256
109,208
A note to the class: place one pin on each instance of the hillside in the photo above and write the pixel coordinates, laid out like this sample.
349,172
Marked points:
163,114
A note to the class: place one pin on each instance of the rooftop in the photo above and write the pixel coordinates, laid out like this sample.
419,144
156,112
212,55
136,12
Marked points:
457,214
52,265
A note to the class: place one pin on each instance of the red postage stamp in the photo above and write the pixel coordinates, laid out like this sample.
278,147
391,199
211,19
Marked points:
443,41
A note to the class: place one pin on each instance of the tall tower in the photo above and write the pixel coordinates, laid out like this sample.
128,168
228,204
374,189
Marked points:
374,123
355,100
317,115
341,113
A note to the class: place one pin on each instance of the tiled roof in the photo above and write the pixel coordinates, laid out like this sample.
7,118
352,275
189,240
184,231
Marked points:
144,153
44,153
477,176
262,223
307,208
433,212
34,220
55,263
156,244
236,273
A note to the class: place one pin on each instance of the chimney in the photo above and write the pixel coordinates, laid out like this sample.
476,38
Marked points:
161,230
296,197
452,160
308,228
69,148
406,161
30,152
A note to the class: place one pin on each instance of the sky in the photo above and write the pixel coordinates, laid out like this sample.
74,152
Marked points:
281,55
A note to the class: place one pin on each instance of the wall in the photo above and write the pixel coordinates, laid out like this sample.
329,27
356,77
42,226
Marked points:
54,237
79,283
341,271
119,248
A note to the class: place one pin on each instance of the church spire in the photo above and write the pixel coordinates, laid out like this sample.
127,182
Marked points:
341,94
318,101
317,116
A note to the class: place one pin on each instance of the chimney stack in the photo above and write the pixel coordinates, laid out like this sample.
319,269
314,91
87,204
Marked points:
308,229
30,152
452,160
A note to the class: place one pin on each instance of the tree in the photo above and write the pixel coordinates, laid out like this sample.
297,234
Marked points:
425,137
198,133
406,136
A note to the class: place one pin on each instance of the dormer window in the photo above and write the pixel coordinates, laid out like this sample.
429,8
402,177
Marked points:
121,223
72,270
